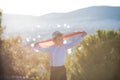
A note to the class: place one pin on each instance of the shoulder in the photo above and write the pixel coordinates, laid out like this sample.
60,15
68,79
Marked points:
51,47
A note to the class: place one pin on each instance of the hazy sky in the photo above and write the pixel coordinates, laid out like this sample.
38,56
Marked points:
40,7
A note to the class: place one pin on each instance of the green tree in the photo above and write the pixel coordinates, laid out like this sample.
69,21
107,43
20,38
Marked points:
96,58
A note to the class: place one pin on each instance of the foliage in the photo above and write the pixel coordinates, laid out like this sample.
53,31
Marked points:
23,62
97,57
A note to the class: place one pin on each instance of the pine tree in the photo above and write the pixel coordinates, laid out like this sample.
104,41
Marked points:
97,57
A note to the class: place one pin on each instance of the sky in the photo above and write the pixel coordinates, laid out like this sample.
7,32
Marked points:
41,7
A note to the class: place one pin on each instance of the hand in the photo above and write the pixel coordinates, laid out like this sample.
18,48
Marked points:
83,34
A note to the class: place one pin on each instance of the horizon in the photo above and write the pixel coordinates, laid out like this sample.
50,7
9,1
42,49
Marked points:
58,12
40,7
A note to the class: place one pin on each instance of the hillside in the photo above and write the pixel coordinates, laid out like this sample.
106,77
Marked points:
89,19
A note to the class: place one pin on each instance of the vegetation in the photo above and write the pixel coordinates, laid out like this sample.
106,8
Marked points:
97,57
1,30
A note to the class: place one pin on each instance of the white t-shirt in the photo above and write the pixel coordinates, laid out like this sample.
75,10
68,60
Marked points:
58,53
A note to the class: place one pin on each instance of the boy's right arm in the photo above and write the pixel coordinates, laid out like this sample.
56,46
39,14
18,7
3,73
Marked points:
41,49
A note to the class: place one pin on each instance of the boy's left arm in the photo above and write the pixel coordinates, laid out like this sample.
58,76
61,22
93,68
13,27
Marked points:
75,42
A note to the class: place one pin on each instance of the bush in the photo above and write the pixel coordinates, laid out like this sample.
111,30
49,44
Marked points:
97,57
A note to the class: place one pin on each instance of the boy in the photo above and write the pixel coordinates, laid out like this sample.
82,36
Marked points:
58,54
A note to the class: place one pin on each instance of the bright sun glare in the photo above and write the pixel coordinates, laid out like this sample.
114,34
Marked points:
40,7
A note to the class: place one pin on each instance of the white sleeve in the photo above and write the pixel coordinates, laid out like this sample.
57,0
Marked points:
42,49
73,43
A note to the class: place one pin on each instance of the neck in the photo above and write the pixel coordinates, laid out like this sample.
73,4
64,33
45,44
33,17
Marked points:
57,45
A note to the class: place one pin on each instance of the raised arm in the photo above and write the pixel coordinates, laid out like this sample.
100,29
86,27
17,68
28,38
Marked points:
41,49
76,41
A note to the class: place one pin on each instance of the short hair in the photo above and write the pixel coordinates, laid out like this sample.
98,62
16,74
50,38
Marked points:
56,34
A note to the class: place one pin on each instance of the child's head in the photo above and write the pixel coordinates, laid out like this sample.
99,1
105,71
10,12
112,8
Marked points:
57,38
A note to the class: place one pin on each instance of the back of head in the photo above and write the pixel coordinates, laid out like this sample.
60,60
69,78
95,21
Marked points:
56,34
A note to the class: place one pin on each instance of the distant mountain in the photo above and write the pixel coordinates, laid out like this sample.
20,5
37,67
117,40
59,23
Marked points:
90,13
89,19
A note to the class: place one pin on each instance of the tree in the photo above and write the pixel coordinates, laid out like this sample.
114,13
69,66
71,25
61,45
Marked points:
97,57
1,62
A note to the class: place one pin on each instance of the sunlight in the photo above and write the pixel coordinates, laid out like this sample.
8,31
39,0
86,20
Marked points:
69,51
32,45
68,26
19,41
58,25
41,7
34,39
65,25
65,41
79,48
27,39
36,50
38,36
